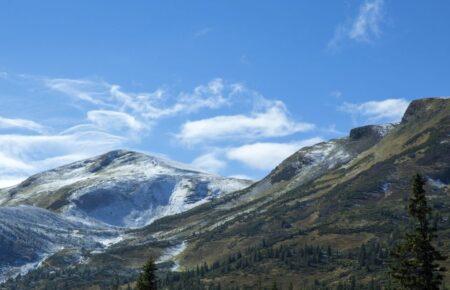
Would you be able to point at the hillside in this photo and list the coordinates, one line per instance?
(120, 188)
(88, 205)
(326, 215)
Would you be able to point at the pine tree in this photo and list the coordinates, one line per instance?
(147, 279)
(274, 286)
(291, 286)
(413, 263)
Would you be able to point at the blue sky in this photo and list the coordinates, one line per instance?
(232, 87)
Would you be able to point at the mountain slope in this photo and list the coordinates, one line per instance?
(29, 234)
(120, 188)
(354, 193)
(327, 213)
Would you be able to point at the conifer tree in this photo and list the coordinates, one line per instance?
(291, 286)
(147, 279)
(274, 286)
(414, 261)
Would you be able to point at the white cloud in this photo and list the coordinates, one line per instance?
(86, 90)
(266, 156)
(202, 32)
(114, 116)
(6, 123)
(209, 162)
(152, 106)
(114, 121)
(148, 106)
(271, 122)
(367, 24)
(23, 155)
(6, 181)
(13, 164)
(336, 93)
(364, 28)
(389, 110)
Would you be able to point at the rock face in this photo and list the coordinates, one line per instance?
(120, 188)
(375, 132)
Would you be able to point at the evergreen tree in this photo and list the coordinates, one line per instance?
(413, 263)
(147, 279)
(291, 286)
(274, 286)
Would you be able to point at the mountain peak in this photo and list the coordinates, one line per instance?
(120, 152)
(106, 159)
(120, 188)
(424, 108)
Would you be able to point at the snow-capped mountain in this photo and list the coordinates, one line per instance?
(120, 188)
(341, 192)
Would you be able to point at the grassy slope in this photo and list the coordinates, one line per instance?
(347, 207)
(343, 208)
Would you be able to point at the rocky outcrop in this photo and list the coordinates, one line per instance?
(370, 131)
(423, 109)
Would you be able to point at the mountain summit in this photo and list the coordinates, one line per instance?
(120, 188)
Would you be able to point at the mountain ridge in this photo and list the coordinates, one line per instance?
(355, 197)
(343, 194)
(121, 178)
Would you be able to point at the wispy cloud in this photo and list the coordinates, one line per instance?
(147, 105)
(86, 90)
(202, 32)
(22, 155)
(6, 123)
(389, 110)
(365, 27)
(115, 117)
(266, 156)
(367, 24)
(336, 94)
(209, 162)
(272, 121)
(113, 121)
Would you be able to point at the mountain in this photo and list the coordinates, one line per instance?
(120, 188)
(90, 204)
(324, 217)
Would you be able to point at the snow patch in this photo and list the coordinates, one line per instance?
(171, 253)
(436, 183)
(386, 189)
